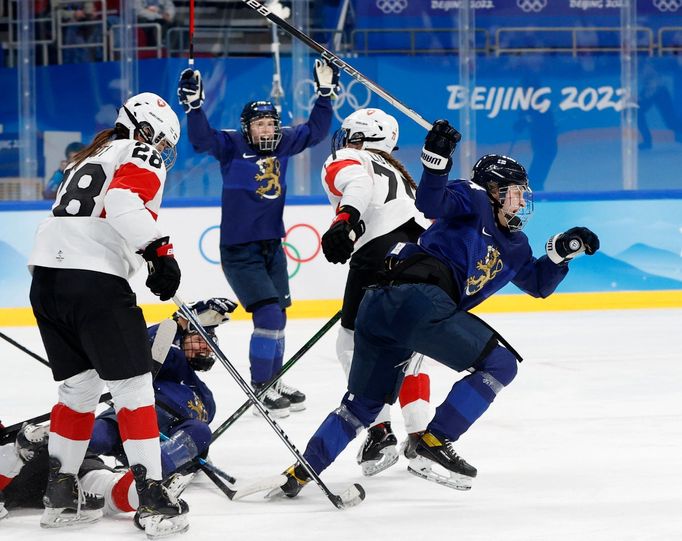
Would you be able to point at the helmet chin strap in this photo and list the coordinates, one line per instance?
(138, 126)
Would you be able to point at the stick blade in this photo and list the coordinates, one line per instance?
(266, 484)
(352, 496)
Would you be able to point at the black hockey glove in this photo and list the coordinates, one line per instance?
(30, 439)
(339, 240)
(326, 77)
(563, 247)
(190, 90)
(164, 273)
(439, 145)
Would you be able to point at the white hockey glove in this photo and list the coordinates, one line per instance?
(439, 145)
(30, 439)
(212, 312)
(326, 79)
(563, 247)
(190, 90)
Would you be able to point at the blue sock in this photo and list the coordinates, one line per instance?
(470, 397)
(267, 322)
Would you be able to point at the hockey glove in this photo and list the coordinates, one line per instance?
(563, 247)
(326, 79)
(439, 145)
(30, 439)
(339, 240)
(164, 273)
(190, 90)
(212, 312)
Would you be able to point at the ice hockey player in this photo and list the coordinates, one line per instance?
(474, 248)
(253, 164)
(184, 403)
(25, 469)
(373, 196)
(101, 229)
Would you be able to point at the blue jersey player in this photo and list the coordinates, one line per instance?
(253, 163)
(421, 304)
(184, 403)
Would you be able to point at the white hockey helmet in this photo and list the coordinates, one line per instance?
(373, 128)
(150, 117)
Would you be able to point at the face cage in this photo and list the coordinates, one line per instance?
(199, 360)
(516, 222)
(264, 145)
(168, 154)
(339, 139)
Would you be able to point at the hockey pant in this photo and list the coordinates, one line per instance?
(266, 349)
(415, 391)
(72, 420)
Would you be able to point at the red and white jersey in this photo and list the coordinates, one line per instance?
(105, 211)
(10, 464)
(368, 182)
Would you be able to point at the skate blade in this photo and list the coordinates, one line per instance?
(277, 414)
(297, 407)
(61, 517)
(3, 511)
(389, 456)
(267, 484)
(158, 526)
(423, 468)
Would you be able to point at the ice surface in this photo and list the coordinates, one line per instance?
(586, 444)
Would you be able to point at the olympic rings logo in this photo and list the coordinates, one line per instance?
(667, 5)
(531, 5)
(355, 95)
(293, 253)
(392, 6)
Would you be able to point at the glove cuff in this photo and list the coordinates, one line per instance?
(158, 248)
(552, 253)
(439, 165)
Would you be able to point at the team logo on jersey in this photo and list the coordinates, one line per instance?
(197, 406)
(268, 178)
(489, 266)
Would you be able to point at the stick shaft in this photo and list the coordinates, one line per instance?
(332, 58)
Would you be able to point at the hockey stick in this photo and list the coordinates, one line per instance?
(190, 60)
(331, 57)
(352, 496)
(162, 343)
(245, 406)
(25, 350)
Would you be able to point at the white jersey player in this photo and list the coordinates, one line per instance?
(101, 229)
(373, 195)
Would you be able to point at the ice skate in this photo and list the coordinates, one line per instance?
(408, 448)
(277, 405)
(380, 450)
(3, 510)
(295, 397)
(431, 451)
(178, 481)
(296, 478)
(66, 504)
(160, 513)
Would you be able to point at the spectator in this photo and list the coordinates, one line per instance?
(52, 185)
(80, 28)
(161, 12)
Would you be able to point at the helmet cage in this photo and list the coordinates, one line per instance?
(197, 358)
(255, 110)
(515, 221)
(145, 131)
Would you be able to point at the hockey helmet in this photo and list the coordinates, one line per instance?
(149, 116)
(499, 176)
(255, 110)
(199, 356)
(372, 128)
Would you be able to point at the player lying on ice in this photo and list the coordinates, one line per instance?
(184, 404)
(422, 303)
(25, 468)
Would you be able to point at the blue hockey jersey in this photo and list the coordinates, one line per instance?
(254, 184)
(483, 257)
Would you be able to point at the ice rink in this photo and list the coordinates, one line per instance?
(586, 444)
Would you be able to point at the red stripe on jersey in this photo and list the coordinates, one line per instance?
(119, 494)
(138, 424)
(4, 481)
(71, 424)
(332, 170)
(415, 388)
(141, 181)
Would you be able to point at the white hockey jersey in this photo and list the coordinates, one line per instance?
(369, 183)
(105, 211)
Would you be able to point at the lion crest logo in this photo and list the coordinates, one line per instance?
(268, 178)
(488, 268)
